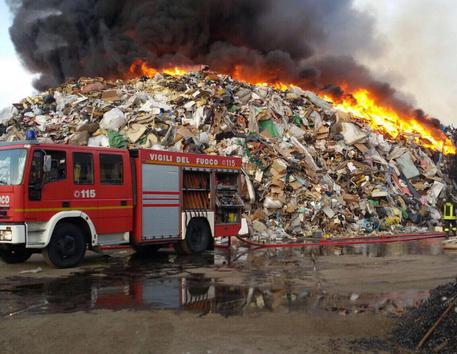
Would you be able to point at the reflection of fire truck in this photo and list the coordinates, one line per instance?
(194, 295)
(62, 199)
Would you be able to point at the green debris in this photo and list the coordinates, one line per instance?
(270, 127)
(117, 140)
(297, 120)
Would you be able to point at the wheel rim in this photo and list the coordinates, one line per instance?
(66, 246)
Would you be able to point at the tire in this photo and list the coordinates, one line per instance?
(66, 248)
(15, 255)
(198, 238)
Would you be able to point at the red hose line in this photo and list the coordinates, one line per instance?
(350, 241)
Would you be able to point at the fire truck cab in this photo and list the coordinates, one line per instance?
(61, 200)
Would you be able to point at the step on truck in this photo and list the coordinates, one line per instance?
(61, 200)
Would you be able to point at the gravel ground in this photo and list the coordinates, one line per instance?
(415, 324)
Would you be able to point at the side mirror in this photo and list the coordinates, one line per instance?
(47, 163)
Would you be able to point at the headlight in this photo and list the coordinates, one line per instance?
(6, 235)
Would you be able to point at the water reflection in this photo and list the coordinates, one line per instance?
(268, 283)
(431, 247)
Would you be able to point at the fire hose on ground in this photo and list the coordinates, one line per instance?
(350, 241)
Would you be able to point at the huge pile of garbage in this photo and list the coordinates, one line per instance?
(309, 169)
(418, 322)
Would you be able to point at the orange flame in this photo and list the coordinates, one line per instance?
(387, 121)
(276, 85)
(139, 67)
(243, 74)
(361, 104)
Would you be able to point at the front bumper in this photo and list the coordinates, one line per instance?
(12, 234)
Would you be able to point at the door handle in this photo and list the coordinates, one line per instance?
(65, 204)
(124, 203)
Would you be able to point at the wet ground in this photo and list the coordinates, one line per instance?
(322, 298)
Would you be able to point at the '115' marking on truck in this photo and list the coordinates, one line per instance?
(85, 194)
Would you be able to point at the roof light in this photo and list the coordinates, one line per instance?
(30, 135)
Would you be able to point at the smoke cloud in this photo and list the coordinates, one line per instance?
(307, 42)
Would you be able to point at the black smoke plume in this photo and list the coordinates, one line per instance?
(307, 42)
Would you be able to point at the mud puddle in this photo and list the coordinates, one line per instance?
(241, 283)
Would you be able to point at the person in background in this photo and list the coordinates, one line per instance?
(449, 218)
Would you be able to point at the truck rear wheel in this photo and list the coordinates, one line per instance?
(66, 248)
(198, 238)
(15, 255)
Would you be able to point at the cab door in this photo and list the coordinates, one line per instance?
(114, 192)
(49, 193)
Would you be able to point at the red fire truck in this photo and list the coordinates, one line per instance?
(61, 200)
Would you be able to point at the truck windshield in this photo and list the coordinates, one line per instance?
(12, 163)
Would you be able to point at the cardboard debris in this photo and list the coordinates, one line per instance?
(135, 132)
(352, 134)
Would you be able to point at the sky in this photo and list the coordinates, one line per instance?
(420, 51)
(15, 81)
(419, 54)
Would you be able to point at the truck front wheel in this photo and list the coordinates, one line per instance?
(198, 238)
(15, 255)
(66, 248)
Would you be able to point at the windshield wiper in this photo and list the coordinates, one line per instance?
(3, 182)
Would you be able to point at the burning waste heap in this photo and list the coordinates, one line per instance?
(309, 168)
(372, 165)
